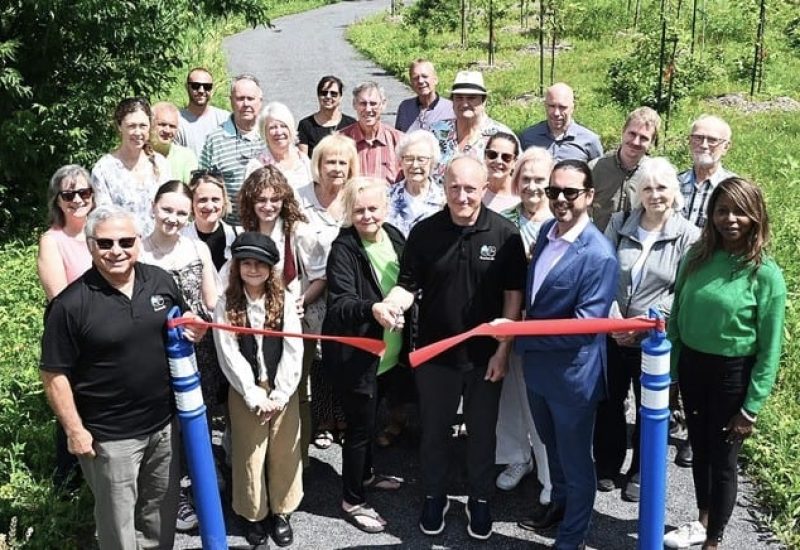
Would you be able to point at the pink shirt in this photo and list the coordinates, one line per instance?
(74, 253)
(376, 157)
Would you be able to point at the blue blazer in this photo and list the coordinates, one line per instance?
(570, 369)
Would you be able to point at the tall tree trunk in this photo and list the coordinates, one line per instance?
(541, 48)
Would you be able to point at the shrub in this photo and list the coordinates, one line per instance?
(633, 78)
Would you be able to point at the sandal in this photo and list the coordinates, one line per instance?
(359, 517)
(381, 482)
(323, 439)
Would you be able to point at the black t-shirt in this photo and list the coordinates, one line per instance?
(216, 244)
(310, 132)
(113, 350)
(462, 273)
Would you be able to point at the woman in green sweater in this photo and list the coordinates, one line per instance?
(726, 328)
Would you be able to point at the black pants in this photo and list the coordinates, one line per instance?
(67, 467)
(439, 388)
(611, 427)
(713, 389)
(360, 412)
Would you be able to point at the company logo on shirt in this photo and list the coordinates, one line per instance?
(158, 303)
(488, 252)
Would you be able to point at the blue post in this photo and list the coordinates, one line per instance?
(654, 433)
(196, 439)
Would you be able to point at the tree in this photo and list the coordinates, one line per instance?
(63, 67)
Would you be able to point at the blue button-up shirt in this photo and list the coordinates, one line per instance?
(578, 142)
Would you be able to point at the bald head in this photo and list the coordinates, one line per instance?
(559, 102)
(165, 126)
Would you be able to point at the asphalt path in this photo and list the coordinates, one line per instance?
(289, 60)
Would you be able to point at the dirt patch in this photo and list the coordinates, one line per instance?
(483, 66)
(533, 48)
(741, 102)
(527, 99)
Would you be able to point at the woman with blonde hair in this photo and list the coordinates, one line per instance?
(277, 128)
(362, 268)
(334, 162)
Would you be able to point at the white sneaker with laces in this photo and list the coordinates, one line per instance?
(688, 534)
(513, 474)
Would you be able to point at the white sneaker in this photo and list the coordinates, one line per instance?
(688, 534)
(187, 518)
(513, 474)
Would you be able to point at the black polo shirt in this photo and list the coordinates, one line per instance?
(113, 350)
(462, 272)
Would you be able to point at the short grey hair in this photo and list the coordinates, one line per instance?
(66, 172)
(369, 85)
(108, 212)
(419, 136)
(657, 170)
(715, 119)
(245, 76)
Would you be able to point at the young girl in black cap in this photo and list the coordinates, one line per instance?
(263, 372)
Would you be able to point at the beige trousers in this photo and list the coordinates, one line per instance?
(266, 462)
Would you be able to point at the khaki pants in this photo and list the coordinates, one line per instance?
(276, 445)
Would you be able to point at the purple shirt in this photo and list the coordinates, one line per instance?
(411, 116)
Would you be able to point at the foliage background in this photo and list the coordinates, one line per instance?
(593, 37)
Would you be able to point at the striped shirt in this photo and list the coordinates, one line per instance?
(229, 151)
(696, 195)
(377, 157)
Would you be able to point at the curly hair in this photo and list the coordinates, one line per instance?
(268, 177)
(236, 301)
(748, 198)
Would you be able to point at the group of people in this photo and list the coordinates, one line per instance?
(408, 234)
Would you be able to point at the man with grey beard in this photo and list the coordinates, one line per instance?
(709, 140)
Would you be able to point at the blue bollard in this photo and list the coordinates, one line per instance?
(654, 434)
(196, 440)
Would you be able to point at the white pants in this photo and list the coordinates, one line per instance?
(516, 433)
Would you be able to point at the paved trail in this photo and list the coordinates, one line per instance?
(289, 61)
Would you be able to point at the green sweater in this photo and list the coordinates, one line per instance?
(724, 311)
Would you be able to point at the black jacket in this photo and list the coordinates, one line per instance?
(352, 290)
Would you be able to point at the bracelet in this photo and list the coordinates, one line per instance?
(748, 416)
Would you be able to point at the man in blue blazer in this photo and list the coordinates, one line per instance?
(573, 274)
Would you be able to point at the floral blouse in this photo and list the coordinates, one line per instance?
(445, 133)
(406, 210)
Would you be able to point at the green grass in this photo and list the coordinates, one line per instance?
(27, 454)
(764, 149)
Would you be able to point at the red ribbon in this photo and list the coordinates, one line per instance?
(376, 347)
(544, 327)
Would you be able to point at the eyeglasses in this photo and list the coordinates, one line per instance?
(329, 93)
(698, 139)
(570, 193)
(411, 159)
(108, 244)
(491, 154)
(196, 86)
(69, 196)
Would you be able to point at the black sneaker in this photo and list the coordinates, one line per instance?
(632, 488)
(431, 521)
(479, 520)
(683, 458)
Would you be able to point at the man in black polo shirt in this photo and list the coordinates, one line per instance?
(106, 376)
(469, 264)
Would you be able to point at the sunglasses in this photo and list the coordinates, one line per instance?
(329, 93)
(196, 86)
(214, 172)
(108, 244)
(570, 193)
(491, 154)
(69, 196)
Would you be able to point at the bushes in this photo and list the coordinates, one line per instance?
(63, 68)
